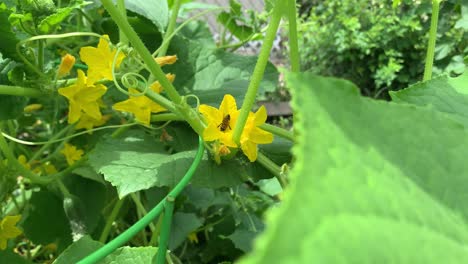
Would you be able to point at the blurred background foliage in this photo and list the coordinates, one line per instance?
(378, 47)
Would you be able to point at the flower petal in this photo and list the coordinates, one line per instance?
(260, 115)
(92, 109)
(228, 105)
(250, 150)
(211, 114)
(260, 136)
(74, 112)
(212, 133)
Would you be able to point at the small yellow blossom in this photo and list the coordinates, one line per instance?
(66, 65)
(140, 106)
(87, 122)
(156, 86)
(23, 161)
(165, 60)
(71, 153)
(83, 98)
(253, 135)
(220, 124)
(45, 169)
(32, 107)
(100, 59)
(8, 229)
(192, 237)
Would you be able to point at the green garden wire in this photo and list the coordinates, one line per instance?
(167, 203)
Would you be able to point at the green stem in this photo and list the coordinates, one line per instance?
(431, 41)
(191, 116)
(170, 27)
(142, 223)
(166, 117)
(121, 6)
(293, 44)
(165, 230)
(278, 131)
(39, 152)
(155, 235)
(40, 55)
(273, 168)
(20, 91)
(259, 70)
(141, 208)
(63, 188)
(110, 220)
(12, 161)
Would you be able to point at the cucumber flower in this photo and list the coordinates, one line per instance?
(8, 229)
(140, 106)
(100, 59)
(71, 153)
(65, 65)
(253, 135)
(88, 122)
(83, 98)
(220, 127)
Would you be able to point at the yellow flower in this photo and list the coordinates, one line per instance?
(192, 237)
(156, 86)
(253, 135)
(71, 153)
(140, 106)
(99, 60)
(45, 169)
(220, 122)
(8, 229)
(83, 98)
(23, 161)
(66, 65)
(166, 60)
(87, 122)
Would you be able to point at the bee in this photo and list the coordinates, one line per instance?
(225, 123)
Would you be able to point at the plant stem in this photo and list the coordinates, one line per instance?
(38, 153)
(121, 6)
(110, 220)
(293, 44)
(12, 161)
(166, 117)
(273, 168)
(278, 131)
(165, 230)
(141, 208)
(63, 188)
(191, 116)
(20, 91)
(40, 55)
(432, 40)
(170, 27)
(259, 70)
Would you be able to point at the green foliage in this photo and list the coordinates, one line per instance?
(9, 39)
(364, 197)
(378, 47)
(155, 10)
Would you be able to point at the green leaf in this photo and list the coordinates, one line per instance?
(243, 239)
(10, 257)
(241, 32)
(49, 23)
(208, 69)
(9, 40)
(78, 250)
(11, 107)
(373, 182)
(131, 255)
(155, 10)
(443, 94)
(182, 225)
(45, 221)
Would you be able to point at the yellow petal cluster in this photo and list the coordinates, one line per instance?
(71, 153)
(100, 59)
(140, 106)
(83, 97)
(220, 127)
(8, 229)
(66, 65)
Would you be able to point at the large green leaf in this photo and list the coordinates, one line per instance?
(10, 257)
(155, 10)
(210, 72)
(182, 225)
(9, 40)
(444, 94)
(373, 182)
(45, 221)
(78, 250)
